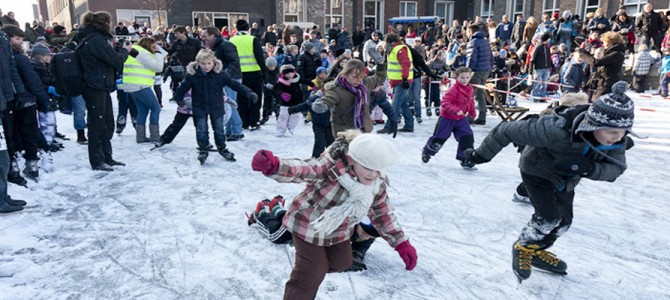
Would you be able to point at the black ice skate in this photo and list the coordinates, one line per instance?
(202, 155)
(468, 164)
(31, 170)
(425, 157)
(547, 261)
(521, 260)
(227, 155)
(520, 198)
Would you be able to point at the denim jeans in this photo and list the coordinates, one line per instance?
(401, 106)
(79, 112)
(146, 103)
(202, 131)
(126, 104)
(234, 125)
(540, 85)
(567, 42)
(415, 96)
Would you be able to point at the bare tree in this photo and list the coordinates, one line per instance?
(158, 5)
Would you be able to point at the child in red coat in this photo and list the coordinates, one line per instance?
(456, 103)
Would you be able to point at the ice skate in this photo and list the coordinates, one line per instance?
(521, 260)
(547, 261)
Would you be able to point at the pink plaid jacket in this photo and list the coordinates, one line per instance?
(322, 192)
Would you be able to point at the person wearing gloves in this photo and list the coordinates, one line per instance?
(348, 98)
(346, 183)
(559, 150)
(206, 80)
(144, 61)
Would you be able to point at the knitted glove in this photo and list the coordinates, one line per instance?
(408, 255)
(472, 155)
(265, 162)
(581, 166)
(319, 107)
(252, 97)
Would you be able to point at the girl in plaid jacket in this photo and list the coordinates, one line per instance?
(344, 184)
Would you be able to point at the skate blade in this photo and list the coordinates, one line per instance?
(551, 272)
(469, 169)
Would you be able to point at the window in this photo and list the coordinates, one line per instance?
(293, 11)
(334, 12)
(634, 7)
(373, 15)
(445, 10)
(155, 18)
(217, 19)
(550, 6)
(591, 6)
(487, 9)
(408, 9)
(517, 9)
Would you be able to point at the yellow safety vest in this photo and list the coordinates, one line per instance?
(394, 69)
(135, 73)
(245, 50)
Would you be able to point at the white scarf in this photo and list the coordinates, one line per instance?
(355, 206)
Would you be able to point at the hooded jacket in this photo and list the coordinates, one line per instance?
(458, 98)
(479, 55)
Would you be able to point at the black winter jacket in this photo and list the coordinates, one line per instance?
(100, 62)
(649, 23)
(186, 50)
(227, 53)
(9, 75)
(541, 58)
(35, 90)
(609, 67)
(307, 64)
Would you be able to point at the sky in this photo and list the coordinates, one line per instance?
(23, 9)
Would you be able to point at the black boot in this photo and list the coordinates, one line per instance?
(521, 260)
(202, 155)
(31, 170)
(547, 261)
(227, 155)
(81, 137)
(15, 202)
(120, 124)
(8, 208)
(358, 251)
(14, 175)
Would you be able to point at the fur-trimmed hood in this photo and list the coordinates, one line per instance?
(192, 67)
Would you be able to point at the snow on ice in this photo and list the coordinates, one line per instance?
(165, 227)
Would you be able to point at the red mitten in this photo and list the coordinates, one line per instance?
(408, 255)
(266, 162)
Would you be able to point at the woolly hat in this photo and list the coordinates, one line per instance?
(270, 62)
(40, 49)
(372, 151)
(347, 51)
(308, 46)
(567, 14)
(242, 25)
(613, 110)
(41, 39)
(286, 67)
(320, 70)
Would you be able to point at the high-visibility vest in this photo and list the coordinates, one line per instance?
(394, 69)
(134, 73)
(245, 50)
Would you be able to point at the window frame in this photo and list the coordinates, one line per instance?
(405, 4)
(491, 5)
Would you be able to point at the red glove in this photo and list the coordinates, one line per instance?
(266, 162)
(408, 255)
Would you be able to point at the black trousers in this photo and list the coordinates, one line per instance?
(323, 137)
(250, 112)
(8, 126)
(100, 125)
(174, 128)
(269, 103)
(553, 212)
(640, 83)
(26, 131)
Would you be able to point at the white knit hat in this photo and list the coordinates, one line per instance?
(372, 151)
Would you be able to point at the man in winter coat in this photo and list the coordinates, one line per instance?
(185, 48)
(401, 77)
(540, 64)
(566, 30)
(370, 52)
(649, 25)
(270, 37)
(307, 64)
(504, 31)
(480, 61)
(316, 43)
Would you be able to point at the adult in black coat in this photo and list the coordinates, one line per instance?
(223, 50)
(608, 67)
(270, 37)
(649, 25)
(100, 65)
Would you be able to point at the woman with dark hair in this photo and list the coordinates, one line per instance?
(624, 25)
(100, 64)
(608, 67)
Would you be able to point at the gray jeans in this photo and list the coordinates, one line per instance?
(480, 78)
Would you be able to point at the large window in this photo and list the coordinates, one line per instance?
(591, 6)
(334, 12)
(408, 8)
(634, 7)
(153, 17)
(294, 11)
(217, 19)
(550, 6)
(445, 10)
(517, 9)
(487, 9)
(373, 14)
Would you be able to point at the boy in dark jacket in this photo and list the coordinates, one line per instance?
(559, 150)
(572, 74)
(269, 102)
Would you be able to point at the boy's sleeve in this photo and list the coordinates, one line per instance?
(184, 87)
(608, 171)
(382, 218)
(298, 171)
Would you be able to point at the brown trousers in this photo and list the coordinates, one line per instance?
(311, 265)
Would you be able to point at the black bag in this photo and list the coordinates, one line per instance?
(67, 70)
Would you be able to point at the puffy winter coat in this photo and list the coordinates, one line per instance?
(341, 101)
(599, 25)
(100, 62)
(10, 80)
(35, 90)
(458, 98)
(479, 55)
(552, 138)
(307, 64)
(609, 67)
(288, 92)
(227, 53)
(207, 89)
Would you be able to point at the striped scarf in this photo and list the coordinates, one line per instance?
(361, 92)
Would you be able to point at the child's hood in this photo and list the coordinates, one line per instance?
(284, 81)
(192, 67)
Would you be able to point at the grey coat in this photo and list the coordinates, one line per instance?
(552, 138)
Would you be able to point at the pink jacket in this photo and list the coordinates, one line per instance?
(458, 97)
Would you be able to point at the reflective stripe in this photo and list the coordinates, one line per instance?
(245, 50)
(134, 73)
(394, 68)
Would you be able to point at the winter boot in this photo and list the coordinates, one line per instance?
(81, 137)
(429, 112)
(120, 124)
(227, 155)
(141, 136)
(61, 136)
(154, 133)
(47, 161)
(425, 157)
(202, 155)
(521, 195)
(547, 261)
(468, 164)
(358, 251)
(521, 260)
(15, 202)
(158, 144)
(418, 120)
(7, 208)
(14, 175)
(31, 170)
(103, 167)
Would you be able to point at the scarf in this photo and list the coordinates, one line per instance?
(361, 92)
(354, 207)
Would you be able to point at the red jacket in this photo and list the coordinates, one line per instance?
(458, 98)
(405, 64)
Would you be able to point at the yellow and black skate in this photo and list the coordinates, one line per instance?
(522, 257)
(547, 261)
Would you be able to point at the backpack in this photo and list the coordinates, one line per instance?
(66, 67)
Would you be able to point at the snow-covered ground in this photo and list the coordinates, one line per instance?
(165, 227)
